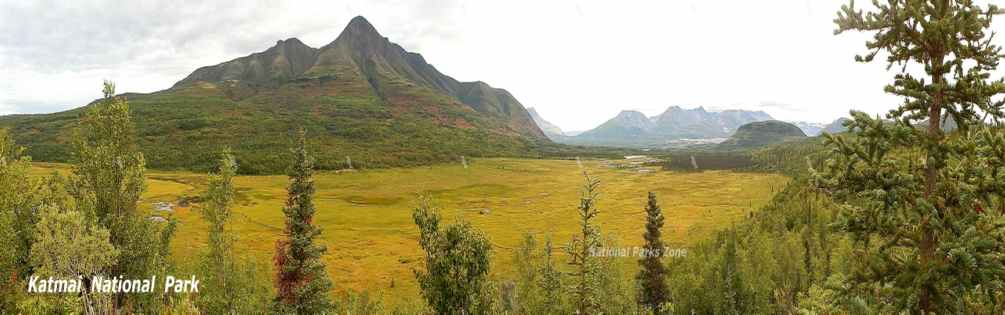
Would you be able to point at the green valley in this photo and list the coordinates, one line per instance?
(366, 215)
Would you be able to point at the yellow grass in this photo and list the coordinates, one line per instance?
(367, 224)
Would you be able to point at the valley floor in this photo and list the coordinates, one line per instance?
(366, 216)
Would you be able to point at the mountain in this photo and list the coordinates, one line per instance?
(836, 126)
(809, 128)
(634, 129)
(761, 133)
(551, 130)
(287, 59)
(627, 124)
(360, 96)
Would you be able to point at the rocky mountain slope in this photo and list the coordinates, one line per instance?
(550, 130)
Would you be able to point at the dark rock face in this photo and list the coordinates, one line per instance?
(286, 60)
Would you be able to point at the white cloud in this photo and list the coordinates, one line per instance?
(578, 62)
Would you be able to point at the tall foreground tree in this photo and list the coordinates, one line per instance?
(302, 283)
(917, 201)
(734, 295)
(108, 162)
(109, 173)
(654, 293)
(457, 264)
(219, 267)
(586, 269)
(550, 281)
(229, 285)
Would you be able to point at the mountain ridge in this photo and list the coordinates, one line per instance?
(635, 129)
(550, 130)
(359, 95)
(367, 54)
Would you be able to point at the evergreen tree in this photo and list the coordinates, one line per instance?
(302, 284)
(457, 265)
(109, 174)
(734, 293)
(586, 268)
(914, 199)
(654, 292)
(550, 283)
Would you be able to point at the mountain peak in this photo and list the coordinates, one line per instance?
(290, 44)
(359, 27)
(359, 20)
(290, 41)
(630, 113)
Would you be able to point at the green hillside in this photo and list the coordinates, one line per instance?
(762, 133)
(360, 97)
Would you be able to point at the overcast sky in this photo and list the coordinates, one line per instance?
(578, 62)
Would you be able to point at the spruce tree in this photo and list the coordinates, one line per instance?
(550, 282)
(654, 292)
(915, 200)
(585, 288)
(734, 293)
(302, 284)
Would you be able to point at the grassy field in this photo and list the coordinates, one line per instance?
(367, 224)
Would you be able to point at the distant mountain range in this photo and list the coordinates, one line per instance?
(811, 129)
(635, 129)
(360, 95)
(836, 126)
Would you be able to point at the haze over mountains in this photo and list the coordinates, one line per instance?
(551, 130)
(675, 127)
(361, 97)
(635, 129)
